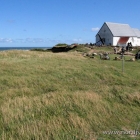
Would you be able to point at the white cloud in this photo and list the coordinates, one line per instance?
(35, 40)
(6, 40)
(95, 29)
(38, 41)
(77, 40)
(25, 40)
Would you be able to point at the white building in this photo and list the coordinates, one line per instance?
(117, 34)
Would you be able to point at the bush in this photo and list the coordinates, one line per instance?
(61, 44)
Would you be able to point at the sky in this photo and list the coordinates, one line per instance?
(45, 23)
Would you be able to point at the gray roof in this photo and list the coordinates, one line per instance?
(137, 32)
(118, 29)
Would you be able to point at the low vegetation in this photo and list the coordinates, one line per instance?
(61, 44)
(65, 96)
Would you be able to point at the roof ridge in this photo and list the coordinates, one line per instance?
(117, 23)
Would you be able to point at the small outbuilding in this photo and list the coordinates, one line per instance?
(117, 34)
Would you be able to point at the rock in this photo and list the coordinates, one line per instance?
(117, 58)
(95, 54)
(132, 59)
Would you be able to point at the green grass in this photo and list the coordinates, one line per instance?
(65, 96)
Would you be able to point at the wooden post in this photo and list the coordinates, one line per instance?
(122, 59)
(122, 63)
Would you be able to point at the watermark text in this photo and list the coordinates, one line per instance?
(123, 132)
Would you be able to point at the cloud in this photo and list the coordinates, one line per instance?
(95, 29)
(77, 40)
(6, 40)
(35, 40)
(55, 41)
(19, 40)
(38, 41)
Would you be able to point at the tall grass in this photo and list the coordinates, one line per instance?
(65, 96)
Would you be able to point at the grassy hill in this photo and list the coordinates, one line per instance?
(65, 96)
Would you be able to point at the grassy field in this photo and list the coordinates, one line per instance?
(65, 96)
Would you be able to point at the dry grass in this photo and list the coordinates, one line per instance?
(65, 96)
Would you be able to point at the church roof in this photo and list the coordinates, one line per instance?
(137, 32)
(118, 29)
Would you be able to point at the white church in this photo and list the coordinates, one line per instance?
(117, 34)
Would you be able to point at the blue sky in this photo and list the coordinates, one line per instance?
(44, 23)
